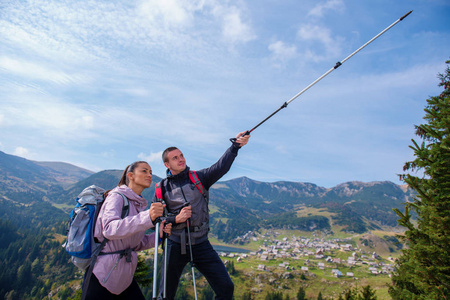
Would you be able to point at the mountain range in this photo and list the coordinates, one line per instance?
(236, 205)
(36, 199)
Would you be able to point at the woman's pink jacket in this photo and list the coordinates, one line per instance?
(113, 271)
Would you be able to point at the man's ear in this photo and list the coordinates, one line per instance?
(166, 164)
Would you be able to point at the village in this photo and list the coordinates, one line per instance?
(312, 254)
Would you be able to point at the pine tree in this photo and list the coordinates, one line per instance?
(351, 294)
(301, 294)
(182, 293)
(423, 270)
(142, 274)
(367, 293)
(274, 296)
(207, 293)
(247, 296)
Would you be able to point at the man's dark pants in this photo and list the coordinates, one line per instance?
(206, 260)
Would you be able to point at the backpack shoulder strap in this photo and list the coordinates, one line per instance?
(126, 205)
(194, 179)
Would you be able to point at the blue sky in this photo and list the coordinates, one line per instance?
(100, 84)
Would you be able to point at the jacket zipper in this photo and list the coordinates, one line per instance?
(182, 192)
(109, 274)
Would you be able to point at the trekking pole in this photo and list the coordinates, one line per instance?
(165, 268)
(165, 237)
(338, 64)
(155, 262)
(192, 258)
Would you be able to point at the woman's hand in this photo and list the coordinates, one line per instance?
(167, 228)
(156, 210)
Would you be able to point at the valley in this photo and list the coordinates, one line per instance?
(284, 261)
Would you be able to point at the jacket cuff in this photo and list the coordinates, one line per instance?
(235, 147)
(171, 220)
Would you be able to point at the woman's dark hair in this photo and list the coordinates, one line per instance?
(124, 179)
(129, 169)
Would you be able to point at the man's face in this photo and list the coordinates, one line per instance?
(175, 162)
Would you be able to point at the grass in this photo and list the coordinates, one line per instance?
(249, 278)
(63, 207)
(311, 211)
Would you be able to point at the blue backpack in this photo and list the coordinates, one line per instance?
(80, 244)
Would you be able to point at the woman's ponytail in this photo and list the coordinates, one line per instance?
(124, 178)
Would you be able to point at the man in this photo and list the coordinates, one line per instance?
(187, 205)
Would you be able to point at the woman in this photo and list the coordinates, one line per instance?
(113, 273)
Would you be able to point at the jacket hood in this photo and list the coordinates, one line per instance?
(131, 195)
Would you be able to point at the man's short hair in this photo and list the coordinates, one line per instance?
(164, 155)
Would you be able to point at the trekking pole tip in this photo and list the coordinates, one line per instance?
(407, 14)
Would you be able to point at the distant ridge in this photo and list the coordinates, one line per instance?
(65, 172)
(236, 206)
(20, 175)
(62, 167)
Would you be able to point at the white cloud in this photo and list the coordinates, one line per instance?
(320, 9)
(54, 31)
(320, 42)
(315, 32)
(170, 13)
(234, 29)
(52, 117)
(282, 52)
(34, 71)
(22, 152)
(152, 157)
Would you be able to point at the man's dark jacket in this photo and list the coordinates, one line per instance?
(178, 190)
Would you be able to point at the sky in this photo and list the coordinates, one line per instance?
(100, 84)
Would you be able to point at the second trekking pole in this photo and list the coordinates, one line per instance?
(192, 258)
(155, 259)
(165, 268)
(165, 237)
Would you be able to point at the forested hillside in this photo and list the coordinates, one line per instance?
(31, 257)
(356, 206)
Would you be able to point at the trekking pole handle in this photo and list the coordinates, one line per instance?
(233, 140)
(163, 217)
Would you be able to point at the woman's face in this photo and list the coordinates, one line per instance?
(141, 176)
